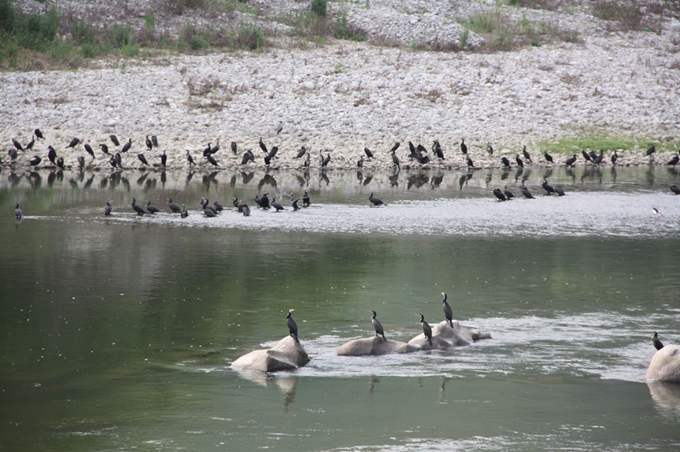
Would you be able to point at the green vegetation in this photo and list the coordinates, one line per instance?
(594, 142)
(319, 7)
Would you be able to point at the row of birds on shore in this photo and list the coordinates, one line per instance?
(417, 153)
(377, 326)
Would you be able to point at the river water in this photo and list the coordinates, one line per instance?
(117, 333)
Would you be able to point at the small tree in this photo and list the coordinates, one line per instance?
(319, 7)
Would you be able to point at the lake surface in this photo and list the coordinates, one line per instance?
(117, 333)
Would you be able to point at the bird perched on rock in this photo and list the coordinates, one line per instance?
(151, 209)
(369, 153)
(104, 148)
(655, 340)
(548, 157)
(675, 189)
(448, 312)
(38, 134)
(234, 148)
(35, 161)
(114, 140)
(190, 159)
(571, 160)
(505, 162)
(127, 146)
(525, 191)
(377, 326)
(508, 194)
(174, 208)
(463, 146)
(499, 194)
(142, 159)
(149, 143)
(427, 331)
(526, 154)
(137, 208)
(292, 326)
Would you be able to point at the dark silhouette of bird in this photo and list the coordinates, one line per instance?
(174, 208)
(164, 159)
(547, 187)
(368, 152)
(559, 190)
(215, 148)
(154, 141)
(279, 127)
(325, 161)
(30, 144)
(598, 158)
(183, 212)
(305, 199)
(571, 160)
(142, 159)
(81, 162)
(273, 152)
(292, 326)
(377, 326)
(151, 209)
(39, 134)
(294, 203)
(127, 146)
(108, 208)
(13, 154)
(35, 161)
(548, 157)
(427, 331)
(149, 143)
(519, 161)
(463, 146)
(207, 150)
(74, 142)
(208, 210)
(218, 206)
(307, 160)
(656, 211)
(586, 156)
(674, 161)
(437, 149)
(17, 145)
(655, 340)
(470, 164)
(505, 162)
(360, 162)
(395, 146)
(104, 148)
(112, 161)
(137, 208)
(395, 159)
(263, 146)
(526, 154)
(650, 150)
(301, 152)
(675, 189)
(247, 157)
(277, 205)
(234, 148)
(51, 154)
(489, 149)
(245, 209)
(211, 160)
(118, 159)
(190, 159)
(508, 194)
(114, 140)
(499, 194)
(375, 201)
(60, 162)
(525, 191)
(448, 312)
(18, 213)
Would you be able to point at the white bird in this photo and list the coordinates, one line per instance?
(279, 127)
(656, 211)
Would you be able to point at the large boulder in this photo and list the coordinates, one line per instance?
(373, 346)
(665, 365)
(422, 343)
(459, 335)
(285, 355)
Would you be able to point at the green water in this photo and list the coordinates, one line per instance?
(117, 334)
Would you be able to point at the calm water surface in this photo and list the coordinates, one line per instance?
(117, 334)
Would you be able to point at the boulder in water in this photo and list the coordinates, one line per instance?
(665, 365)
(373, 346)
(285, 355)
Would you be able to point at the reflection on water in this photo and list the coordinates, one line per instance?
(666, 398)
(117, 333)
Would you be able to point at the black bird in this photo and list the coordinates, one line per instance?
(183, 213)
(151, 209)
(427, 331)
(395, 147)
(190, 159)
(17, 144)
(114, 140)
(142, 159)
(375, 201)
(60, 162)
(598, 158)
(499, 194)
(519, 161)
(212, 160)
(164, 159)
(655, 340)
(301, 152)
(13, 154)
(51, 154)
(650, 150)
(294, 203)
(104, 148)
(234, 148)
(379, 331)
(149, 144)
(127, 146)
(505, 162)
(208, 211)
(593, 155)
(307, 159)
(586, 156)
(305, 199)
(547, 187)
(437, 148)
(469, 163)
(559, 190)
(118, 159)
(215, 148)
(236, 203)
(614, 157)
(207, 150)
(360, 162)
(112, 161)
(675, 189)
(38, 134)
(35, 161)
(463, 146)
(245, 209)
(108, 208)
(674, 161)
(18, 213)
(489, 149)
(154, 141)
(267, 159)
(292, 326)
(526, 192)
(247, 157)
(548, 157)
(395, 159)
(81, 162)
(273, 152)
(448, 312)
(174, 208)
(218, 206)
(205, 204)
(263, 146)
(74, 142)
(30, 144)
(264, 201)
(571, 160)
(508, 194)
(325, 161)
(277, 205)
(368, 153)
(526, 155)
(136, 208)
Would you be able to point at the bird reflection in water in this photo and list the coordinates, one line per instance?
(247, 177)
(323, 178)
(371, 383)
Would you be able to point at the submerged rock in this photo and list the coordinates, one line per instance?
(443, 336)
(665, 365)
(422, 343)
(285, 355)
(373, 346)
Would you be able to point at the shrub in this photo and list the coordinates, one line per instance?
(320, 7)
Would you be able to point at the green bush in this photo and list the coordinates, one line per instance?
(320, 7)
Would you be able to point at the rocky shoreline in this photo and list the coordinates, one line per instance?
(344, 96)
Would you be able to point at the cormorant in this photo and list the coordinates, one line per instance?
(499, 194)
(164, 159)
(368, 153)
(174, 208)
(212, 160)
(469, 163)
(375, 201)
(183, 213)
(60, 162)
(377, 326)
(427, 331)
(247, 156)
(586, 156)
(263, 146)
(395, 159)
(81, 162)
(114, 140)
(35, 161)
(234, 148)
(325, 161)
(519, 161)
(13, 154)
(508, 194)
(559, 190)
(598, 158)
(246, 209)
(18, 213)
(208, 211)
(136, 208)
(264, 201)
(448, 312)
(154, 140)
(360, 162)
(215, 148)
(118, 159)
(74, 142)
(395, 147)
(294, 203)
(505, 162)
(301, 152)
(104, 148)
(127, 146)
(142, 159)
(571, 160)
(655, 340)
(650, 150)
(674, 161)
(675, 189)
(190, 159)
(51, 154)
(207, 150)
(463, 146)
(547, 187)
(17, 144)
(489, 149)
(305, 199)
(30, 144)
(151, 209)
(437, 148)
(277, 205)
(108, 208)
(548, 157)
(38, 134)
(526, 192)
(149, 144)
(614, 157)
(292, 326)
